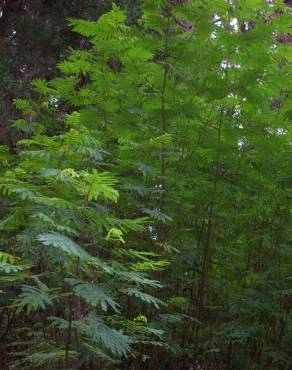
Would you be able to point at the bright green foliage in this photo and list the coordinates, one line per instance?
(150, 200)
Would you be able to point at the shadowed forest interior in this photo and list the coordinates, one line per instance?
(145, 185)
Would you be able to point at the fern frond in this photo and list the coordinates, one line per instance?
(100, 334)
(11, 265)
(51, 359)
(98, 184)
(138, 278)
(109, 26)
(94, 294)
(147, 298)
(115, 235)
(63, 243)
(34, 298)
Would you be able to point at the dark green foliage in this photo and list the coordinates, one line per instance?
(146, 216)
(34, 37)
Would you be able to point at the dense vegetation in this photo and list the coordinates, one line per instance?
(34, 37)
(146, 210)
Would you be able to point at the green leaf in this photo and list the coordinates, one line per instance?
(95, 294)
(34, 298)
(147, 298)
(101, 334)
(64, 244)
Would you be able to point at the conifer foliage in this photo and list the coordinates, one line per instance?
(145, 214)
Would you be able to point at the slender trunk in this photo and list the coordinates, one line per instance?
(162, 153)
(205, 271)
(69, 335)
(154, 359)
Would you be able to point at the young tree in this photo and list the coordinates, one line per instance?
(175, 132)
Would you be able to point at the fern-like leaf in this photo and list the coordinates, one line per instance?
(63, 243)
(99, 333)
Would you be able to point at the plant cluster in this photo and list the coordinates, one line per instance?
(145, 216)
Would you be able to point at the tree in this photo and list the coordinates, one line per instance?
(186, 118)
(34, 38)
